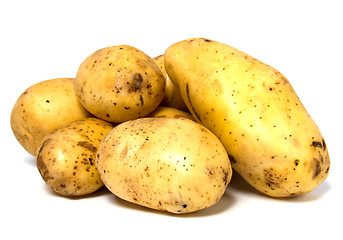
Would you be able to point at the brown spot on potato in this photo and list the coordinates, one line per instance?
(317, 144)
(272, 179)
(87, 145)
(327, 170)
(137, 82)
(324, 144)
(225, 178)
(91, 161)
(317, 168)
(210, 171)
(296, 162)
(141, 99)
(232, 159)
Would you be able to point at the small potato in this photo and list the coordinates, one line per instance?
(169, 112)
(119, 83)
(168, 164)
(44, 107)
(66, 157)
(172, 97)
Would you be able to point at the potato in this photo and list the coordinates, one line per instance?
(253, 109)
(43, 107)
(169, 112)
(172, 97)
(66, 157)
(167, 164)
(119, 83)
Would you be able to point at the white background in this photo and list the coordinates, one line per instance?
(43, 40)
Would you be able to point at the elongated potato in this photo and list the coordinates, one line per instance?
(253, 109)
(167, 164)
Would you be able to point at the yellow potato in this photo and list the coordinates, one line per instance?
(168, 164)
(119, 83)
(66, 157)
(169, 112)
(172, 97)
(42, 108)
(253, 109)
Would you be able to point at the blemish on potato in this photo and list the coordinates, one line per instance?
(317, 144)
(141, 99)
(272, 179)
(296, 162)
(87, 145)
(317, 168)
(324, 144)
(137, 82)
(210, 171)
(232, 159)
(225, 178)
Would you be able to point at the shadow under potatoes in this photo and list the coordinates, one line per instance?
(225, 203)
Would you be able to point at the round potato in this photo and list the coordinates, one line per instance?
(43, 107)
(66, 157)
(169, 112)
(119, 83)
(172, 97)
(168, 164)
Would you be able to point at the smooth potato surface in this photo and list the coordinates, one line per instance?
(169, 112)
(172, 97)
(43, 107)
(168, 164)
(66, 157)
(119, 83)
(253, 109)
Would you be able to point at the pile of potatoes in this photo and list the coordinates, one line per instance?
(166, 132)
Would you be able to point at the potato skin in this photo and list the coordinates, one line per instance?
(252, 108)
(66, 157)
(167, 164)
(172, 97)
(119, 83)
(43, 107)
(169, 112)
